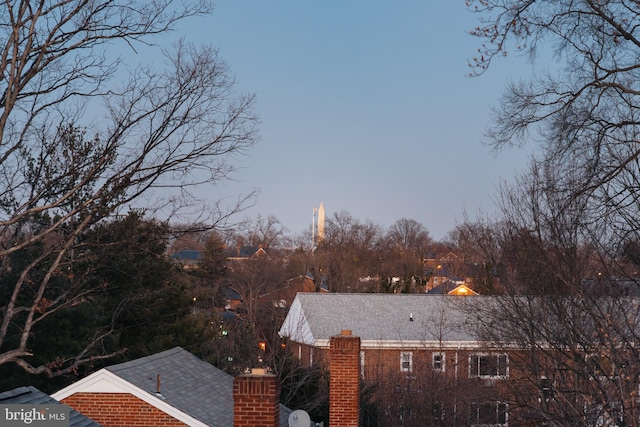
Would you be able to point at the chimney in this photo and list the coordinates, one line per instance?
(256, 400)
(344, 380)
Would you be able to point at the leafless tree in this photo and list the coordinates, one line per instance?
(64, 167)
(585, 108)
(348, 251)
(567, 323)
(267, 233)
(408, 245)
(577, 210)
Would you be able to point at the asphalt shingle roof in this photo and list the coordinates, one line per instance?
(379, 317)
(33, 396)
(187, 383)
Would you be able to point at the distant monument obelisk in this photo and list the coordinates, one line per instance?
(321, 223)
(317, 227)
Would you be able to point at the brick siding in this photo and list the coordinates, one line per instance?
(344, 380)
(120, 410)
(256, 401)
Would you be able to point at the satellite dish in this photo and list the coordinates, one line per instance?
(299, 418)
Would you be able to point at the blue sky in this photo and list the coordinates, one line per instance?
(365, 106)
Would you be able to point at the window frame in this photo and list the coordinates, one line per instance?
(409, 356)
(476, 365)
(442, 362)
(475, 407)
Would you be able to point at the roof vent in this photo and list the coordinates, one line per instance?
(158, 392)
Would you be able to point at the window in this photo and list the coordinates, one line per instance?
(438, 361)
(492, 414)
(406, 361)
(488, 366)
(361, 364)
(547, 389)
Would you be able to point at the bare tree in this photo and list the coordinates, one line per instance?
(267, 233)
(567, 322)
(571, 219)
(585, 107)
(165, 129)
(348, 251)
(408, 243)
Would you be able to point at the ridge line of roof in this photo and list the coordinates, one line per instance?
(146, 359)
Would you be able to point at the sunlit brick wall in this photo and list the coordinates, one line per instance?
(344, 380)
(256, 401)
(119, 410)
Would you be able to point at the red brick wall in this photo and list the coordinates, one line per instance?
(256, 401)
(120, 410)
(344, 380)
(307, 355)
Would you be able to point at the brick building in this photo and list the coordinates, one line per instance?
(175, 388)
(30, 395)
(412, 346)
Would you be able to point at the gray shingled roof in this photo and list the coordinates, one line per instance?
(188, 383)
(315, 317)
(33, 396)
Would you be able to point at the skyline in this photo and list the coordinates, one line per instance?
(364, 106)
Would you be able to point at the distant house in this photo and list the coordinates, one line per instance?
(187, 258)
(246, 252)
(32, 396)
(171, 388)
(284, 295)
(232, 299)
(452, 269)
(452, 288)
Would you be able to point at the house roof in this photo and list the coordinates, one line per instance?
(191, 389)
(452, 288)
(382, 320)
(187, 255)
(33, 396)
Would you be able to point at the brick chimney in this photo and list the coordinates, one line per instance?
(256, 400)
(344, 380)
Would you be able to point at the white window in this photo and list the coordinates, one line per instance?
(361, 364)
(438, 361)
(489, 414)
(406, 361)
(488, 366)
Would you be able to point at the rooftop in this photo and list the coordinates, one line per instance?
(381, 319)
(33, 396)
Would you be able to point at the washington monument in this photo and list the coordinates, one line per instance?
(318, 224)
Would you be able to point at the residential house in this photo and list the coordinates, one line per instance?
(243, 253)
(171, 388)
(187, 258)
(452, 288)
(453, 269)
(285, 294)
(25, 396)
(411, 342)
